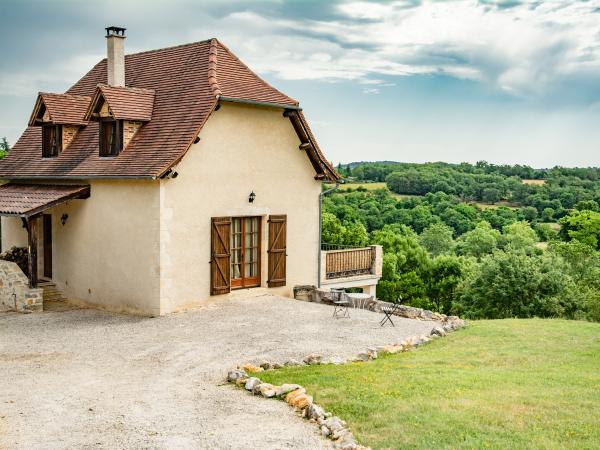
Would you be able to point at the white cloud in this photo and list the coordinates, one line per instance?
(522, 49)
(27, 82)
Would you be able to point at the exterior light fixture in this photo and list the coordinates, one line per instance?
(63, 219)
(251, 197)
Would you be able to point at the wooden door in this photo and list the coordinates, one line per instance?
(245, 252)
(47, 239)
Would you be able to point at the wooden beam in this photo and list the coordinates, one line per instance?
(32, 259)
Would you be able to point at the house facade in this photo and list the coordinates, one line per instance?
(162, 179)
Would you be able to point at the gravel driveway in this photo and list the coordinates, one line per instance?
(87, 379)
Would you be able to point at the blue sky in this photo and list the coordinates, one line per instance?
(505, 81)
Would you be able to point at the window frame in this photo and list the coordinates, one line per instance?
(246, 281)
(47, 147)
(117, 132)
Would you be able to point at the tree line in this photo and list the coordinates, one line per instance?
(550, 192)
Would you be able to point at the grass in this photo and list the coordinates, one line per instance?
(507, 384)
(374, 186)
(506, 204)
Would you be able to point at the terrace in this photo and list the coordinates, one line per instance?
(351, 267)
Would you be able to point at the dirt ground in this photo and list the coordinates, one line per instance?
(87, 379)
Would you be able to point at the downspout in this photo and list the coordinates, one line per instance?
(321, 194)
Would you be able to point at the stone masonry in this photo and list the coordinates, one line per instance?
(15, 292)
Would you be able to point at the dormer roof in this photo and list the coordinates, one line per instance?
(61, 109)
(185, 83)
(124, 103)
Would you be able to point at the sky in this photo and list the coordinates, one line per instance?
(503, 81)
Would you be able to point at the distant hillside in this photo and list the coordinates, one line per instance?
(548, 193)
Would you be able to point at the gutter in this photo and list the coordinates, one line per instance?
(321, 195)
(222, 98)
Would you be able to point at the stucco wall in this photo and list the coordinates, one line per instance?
(107, 253)
(13, 233)
(242, 149)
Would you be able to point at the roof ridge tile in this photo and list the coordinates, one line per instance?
(213, 57)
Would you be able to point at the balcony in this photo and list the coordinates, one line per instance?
(347, 267)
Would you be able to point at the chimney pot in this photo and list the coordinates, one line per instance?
(115, 55)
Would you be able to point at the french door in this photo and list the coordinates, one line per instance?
(245, 252)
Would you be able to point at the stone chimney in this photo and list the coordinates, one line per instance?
(115, 55)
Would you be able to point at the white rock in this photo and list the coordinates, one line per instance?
(313, 359)
(292, 362)
(285, 388)
(235, 374)
(251, 382)
(438, 331)
(315, 412)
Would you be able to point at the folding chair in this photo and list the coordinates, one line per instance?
(389, 311)
(341, 305)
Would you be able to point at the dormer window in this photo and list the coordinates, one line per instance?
(51, 140)
(111, 137)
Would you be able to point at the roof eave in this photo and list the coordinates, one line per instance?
(245, 101)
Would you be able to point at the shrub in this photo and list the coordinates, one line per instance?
(510, 284)
(19, 256)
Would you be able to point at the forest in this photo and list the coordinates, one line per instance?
(480, 241)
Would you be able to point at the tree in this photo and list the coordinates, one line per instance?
(356, 234)
(547, 215)
(446, 273)
(583, 226)
(4, 147)
(590, 205)
(437, 239)
(490, 195)
(518, 236)
(478, 242)
(332, 229)
(529, 213)
(510, 284)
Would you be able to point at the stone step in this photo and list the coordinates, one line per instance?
(51, 293)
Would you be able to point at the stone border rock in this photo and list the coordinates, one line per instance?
(315, 295)
(295, 395)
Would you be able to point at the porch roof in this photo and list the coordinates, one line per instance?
(26, 200)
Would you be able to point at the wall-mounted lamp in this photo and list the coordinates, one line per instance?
(251, 197)
(63, 219)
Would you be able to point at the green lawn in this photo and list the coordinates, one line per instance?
(496, 384)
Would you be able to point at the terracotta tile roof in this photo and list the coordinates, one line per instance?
(125, 103)
(30, 199)
(188, 81)
(64, 109)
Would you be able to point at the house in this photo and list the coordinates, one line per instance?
(163, 178)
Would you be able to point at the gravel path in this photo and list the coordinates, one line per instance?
(87, 379)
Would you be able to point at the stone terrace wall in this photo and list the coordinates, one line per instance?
(15, 293)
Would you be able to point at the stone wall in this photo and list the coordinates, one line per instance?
(68, 133)
(15, 293)
(130, 128)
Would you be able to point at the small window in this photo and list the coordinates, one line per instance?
(51, 140)
(111, 137)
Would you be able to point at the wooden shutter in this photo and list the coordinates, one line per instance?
(277, 250)
(220, 249)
